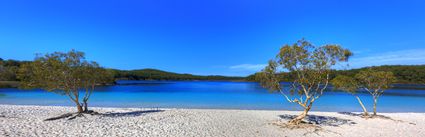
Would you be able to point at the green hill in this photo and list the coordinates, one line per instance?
(154, 74)
(405, 74)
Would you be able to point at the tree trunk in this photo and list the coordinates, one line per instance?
(80, 109)
(85, 106)
(365, 113)
(375, 101)
(300, 117)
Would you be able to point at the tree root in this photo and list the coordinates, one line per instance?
(301, 125)
(308, 127)
(60, 117)
(72, 116)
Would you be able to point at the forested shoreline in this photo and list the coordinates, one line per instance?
(154, 74)
(405, 74)
(9, 70)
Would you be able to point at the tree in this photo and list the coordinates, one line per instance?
(63, 73)
(311, 66)
(350, 85)
(375, 83)
(91, 75)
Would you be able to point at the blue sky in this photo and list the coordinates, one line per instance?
(220, 37)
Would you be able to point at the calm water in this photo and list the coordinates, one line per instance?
(223, 95)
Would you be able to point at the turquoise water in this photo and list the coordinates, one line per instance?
(216, 95)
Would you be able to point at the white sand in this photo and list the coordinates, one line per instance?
(28, 121)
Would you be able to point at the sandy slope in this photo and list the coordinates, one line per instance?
(28, 121)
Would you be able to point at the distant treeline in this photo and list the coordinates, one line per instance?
(405, 74)
(9, 69)
(154, 74)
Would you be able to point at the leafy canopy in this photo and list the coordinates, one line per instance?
(311, 66)
(61, 72)
(370, 80)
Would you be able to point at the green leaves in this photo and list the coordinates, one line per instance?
(345, 83)
(268, 78)
(61, 72)
(371, 80)
(308, 65)
(375, 80)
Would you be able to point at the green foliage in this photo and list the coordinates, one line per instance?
(63, 73)
(345, 83)
(9, 84)
(404, 74)
(309, 69)
(153, 74)
(369, 79)
(374, 80)
(268, 78)
(8, 69)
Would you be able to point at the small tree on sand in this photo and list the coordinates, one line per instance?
(350, 85)
(312, 67)
(65, 74)
(375, 83)
(91, 75)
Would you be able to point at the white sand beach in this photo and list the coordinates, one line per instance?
(28, 121)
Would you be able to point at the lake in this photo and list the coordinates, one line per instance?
(215, 95)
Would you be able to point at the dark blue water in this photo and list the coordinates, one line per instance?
(220, 95)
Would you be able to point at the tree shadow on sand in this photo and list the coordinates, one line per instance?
(321, 120)
(313, 124)
(71, 116)
(362, 116)
(130, 114)
(372, 117)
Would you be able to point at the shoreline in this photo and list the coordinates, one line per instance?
(206, 108)
(27, 120)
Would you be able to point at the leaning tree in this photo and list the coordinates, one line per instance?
(311, 66)
(65, 74)
(350, 85)
(375, 83)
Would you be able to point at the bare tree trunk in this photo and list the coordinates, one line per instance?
(77, 102)
(87, 96)
(297, 120)
(85, 106)
(80, 109)
(375, 101)
(365, 113)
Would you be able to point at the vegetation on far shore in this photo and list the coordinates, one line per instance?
(9, 84)
(154, 74)
(405, 74)
(309, 69)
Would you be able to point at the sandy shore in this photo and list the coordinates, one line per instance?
(29, 121)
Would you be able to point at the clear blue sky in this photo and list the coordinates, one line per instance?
(222, 37)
